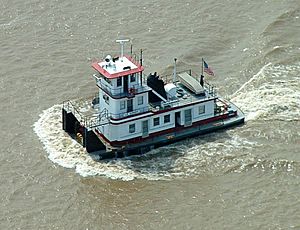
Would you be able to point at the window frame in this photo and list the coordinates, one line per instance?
(131, 128)
(169, 118)
(156, 121)
(142, 100)
(201, 110)
(188, 117)
(132, 78)
(119, 82)
(122, 105)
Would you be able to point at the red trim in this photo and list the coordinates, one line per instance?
(159, 133)
(97, 67)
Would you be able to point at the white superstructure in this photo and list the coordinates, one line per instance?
(124, 94)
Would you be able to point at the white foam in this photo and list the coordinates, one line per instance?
(272, 93)
(65, 151)
(178, 160)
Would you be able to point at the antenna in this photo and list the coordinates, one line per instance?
(122, 42)
(174, 73)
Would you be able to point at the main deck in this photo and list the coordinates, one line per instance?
(90, 114)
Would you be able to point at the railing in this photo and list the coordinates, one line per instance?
(69, 107)
(95, 121)
(134, 112)
(119, 92)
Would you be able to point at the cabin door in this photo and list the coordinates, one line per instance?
(129, 105)
(125, 84)
(177, 119)
(145, 128)
(188, 117)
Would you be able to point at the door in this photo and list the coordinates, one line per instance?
(125, 87)
(177, 119)
(188, 117)
(145, 128)
(129, 106)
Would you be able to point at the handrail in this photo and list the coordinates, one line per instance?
(119, 92)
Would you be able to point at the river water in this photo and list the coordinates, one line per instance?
(247, 177)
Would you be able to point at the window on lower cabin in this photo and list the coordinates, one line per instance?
(122, 105)
(156, 121)
(132, 78)
(140, 100)
(132, 128)
(167, 118)
(119, 81)
(201, 109)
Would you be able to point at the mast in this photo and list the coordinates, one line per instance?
(122, 42)
(174, 74)
(141, 62)
(202, 66)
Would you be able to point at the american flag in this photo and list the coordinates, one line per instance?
(207, 69)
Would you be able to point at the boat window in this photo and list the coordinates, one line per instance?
(140, 100)
(156, 121)
(122, 104)
(106, 99)
(167, 118)
(132, 78)
(132, 128)
(188, 117)
(201, 109)
(119, 81)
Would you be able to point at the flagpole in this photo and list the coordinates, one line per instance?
(202, 66)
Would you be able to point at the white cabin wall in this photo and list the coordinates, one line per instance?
(115, 106)
(162, 125)
(209, 111)
(121, 131)
(145, 101)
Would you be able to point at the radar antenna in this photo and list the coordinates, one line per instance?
(122, 42)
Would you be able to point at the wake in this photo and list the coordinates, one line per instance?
(272, 93)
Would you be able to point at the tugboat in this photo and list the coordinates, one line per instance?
(133, 113)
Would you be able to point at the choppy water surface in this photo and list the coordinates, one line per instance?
(241, 178)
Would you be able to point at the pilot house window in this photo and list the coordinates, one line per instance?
(132, 78)
(119, 81)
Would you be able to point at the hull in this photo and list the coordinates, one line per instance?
(94, 142)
